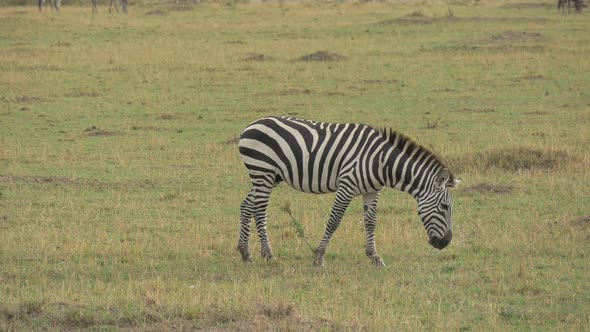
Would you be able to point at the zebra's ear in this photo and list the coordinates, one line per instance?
(453, 182)
(441, 178)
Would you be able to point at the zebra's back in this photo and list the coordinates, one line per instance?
(308, 155)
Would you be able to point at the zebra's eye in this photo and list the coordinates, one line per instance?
(444, 206)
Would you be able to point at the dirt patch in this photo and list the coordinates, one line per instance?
(61, 44)
(475, 110)
(78, 93)
(583, 221)
(56, 180)
(322, 56)
(287, 92)
(278, 311)
(182, 8)
(95, 131)
(414, 18)
(232, 141)
(258, 57)
(526, 5)
(536, 113)
(490, 188)
(29, 99)
(516, 36)
(156, 12)
(148, 128)
(387, 82)
(529, 77)
(515, 160)
(524, 158)
(166, 116)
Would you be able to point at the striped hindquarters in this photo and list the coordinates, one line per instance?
(311, 156)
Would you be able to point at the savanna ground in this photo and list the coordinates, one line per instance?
(120, 180)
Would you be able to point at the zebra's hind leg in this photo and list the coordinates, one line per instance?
(261, 199)
(246, 214)
(370, 201)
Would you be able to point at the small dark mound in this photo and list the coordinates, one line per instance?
(166, 116)
(523, 159)
(475, 110)
(583, 221)
(156, 12)
(516, 36)
(490, 188)
(322, 56)
(258, 57)
(516, 159)
(232, 141)
(95, 131)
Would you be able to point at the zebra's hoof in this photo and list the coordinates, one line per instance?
(377, 261)
(267, 254)
(318, 261)
(245, 254)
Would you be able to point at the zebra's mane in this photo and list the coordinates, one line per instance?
(398, 139)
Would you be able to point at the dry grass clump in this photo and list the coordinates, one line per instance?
(257, 57)
(493, 188)
(515, 159)
(321, 56)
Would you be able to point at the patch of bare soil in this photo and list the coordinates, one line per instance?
(148, 128)
(526, 5)
(490, 188)
(529, 77)
(583, 221)
(29, 99)
(61, 44)
(258, 57)
(79, 93)
(182, 7)
(287, 92)
(536, 113)
(56, 180)
(95, 131)
(322, 56)
(232, 141)
(156, 12)
(516, 159)
(421, 19)
(516, 36)
(166, 116)
(392, 81)
(475, 110)
(523, 158)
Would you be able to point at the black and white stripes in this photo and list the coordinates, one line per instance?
(348, 159)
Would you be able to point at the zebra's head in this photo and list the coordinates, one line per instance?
(435, 208)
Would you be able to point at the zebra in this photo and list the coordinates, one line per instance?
(54, 4)
(349, 159)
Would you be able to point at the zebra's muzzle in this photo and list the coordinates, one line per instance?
(439, 243)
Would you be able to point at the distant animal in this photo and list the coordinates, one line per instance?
(123, 4)
(349, 159)
(54, 4)
(578, 5)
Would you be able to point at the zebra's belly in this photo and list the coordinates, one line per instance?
(312, 185)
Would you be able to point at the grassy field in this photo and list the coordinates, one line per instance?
(120, 180)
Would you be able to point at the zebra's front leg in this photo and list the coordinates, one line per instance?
(246, 214)
(370, 201)
(342, 201)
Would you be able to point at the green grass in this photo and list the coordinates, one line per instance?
(120, 180)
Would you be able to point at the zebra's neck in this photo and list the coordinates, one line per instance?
(408, 166)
